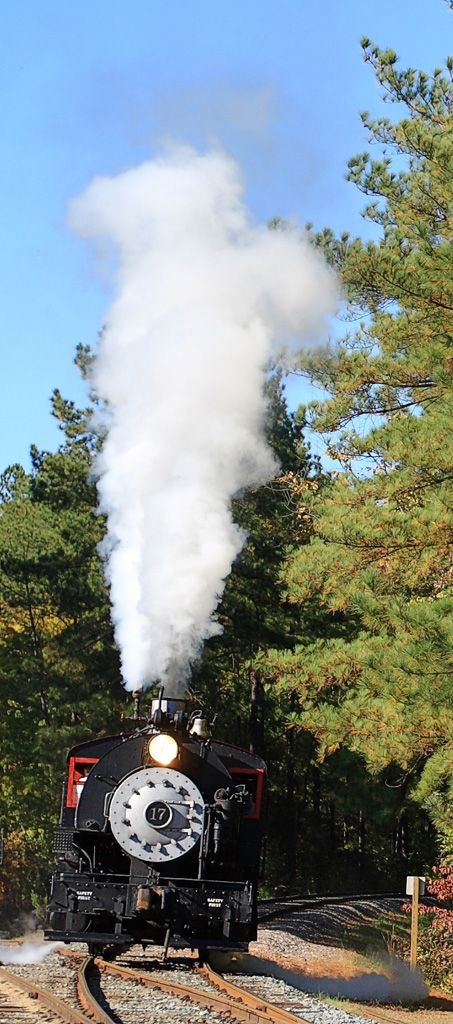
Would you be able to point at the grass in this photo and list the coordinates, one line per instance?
(387, 934)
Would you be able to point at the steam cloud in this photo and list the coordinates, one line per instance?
(204, 298)
(27, 952)
(398, 984)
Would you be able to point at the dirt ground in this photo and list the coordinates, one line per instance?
(319, 946)
(437, 1008)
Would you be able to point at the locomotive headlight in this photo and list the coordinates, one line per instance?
(163, 748)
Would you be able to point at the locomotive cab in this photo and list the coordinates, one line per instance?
(159, 838)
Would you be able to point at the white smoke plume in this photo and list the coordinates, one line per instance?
(396, 983)
(27, 952)
(204, 297)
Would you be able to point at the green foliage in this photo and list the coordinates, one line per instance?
(59, 675)
(435, 956)
(435, 948)
(335, 659)
(25, 870)
(380, 556)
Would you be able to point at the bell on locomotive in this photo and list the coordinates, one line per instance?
(161, 843)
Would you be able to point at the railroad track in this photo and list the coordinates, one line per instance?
(24, 1002)
(90, 985)
(177, 992)
(258, 1006)
(297, 1001)
(135, 991)
(221, 997)
(279, 905)
(204, 989)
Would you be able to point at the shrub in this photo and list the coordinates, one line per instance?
(435, 948)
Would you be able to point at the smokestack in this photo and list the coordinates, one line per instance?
(167, 705)
(136, 695)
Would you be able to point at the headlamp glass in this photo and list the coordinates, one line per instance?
(163, 748)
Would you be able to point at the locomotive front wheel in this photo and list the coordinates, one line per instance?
(96, 949)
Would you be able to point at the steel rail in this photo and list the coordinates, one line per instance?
(277, 1014)
(302, 896)
(282, 905)
(86, 995)
(240, 1005)
(68, 1014)
(263, 1009)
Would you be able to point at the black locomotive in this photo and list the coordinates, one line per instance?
(159, 838)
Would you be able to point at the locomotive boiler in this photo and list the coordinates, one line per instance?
(159, 838)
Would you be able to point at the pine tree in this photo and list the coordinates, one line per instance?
(59, 672)
(380, 557)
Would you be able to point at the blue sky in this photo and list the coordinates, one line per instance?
(89, 88)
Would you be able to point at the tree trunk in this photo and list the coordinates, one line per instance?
(256, 714)
(401, 841)
(361, 834)
(332, 824)
(316, 790)
(361, 838)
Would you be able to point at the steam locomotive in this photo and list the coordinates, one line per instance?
(159, 839)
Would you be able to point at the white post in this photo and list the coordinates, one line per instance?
(414, 921)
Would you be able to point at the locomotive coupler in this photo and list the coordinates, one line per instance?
(154, 897)
(143, 899)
